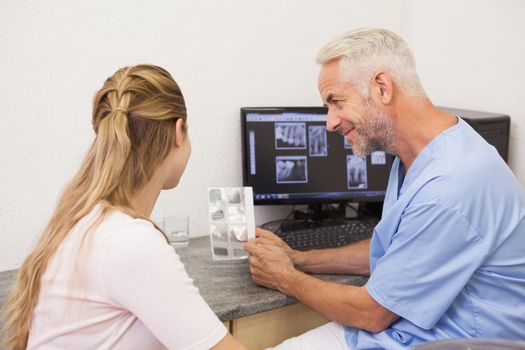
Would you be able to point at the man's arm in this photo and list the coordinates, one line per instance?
(351, 259)
(348, 305)
(271, 266)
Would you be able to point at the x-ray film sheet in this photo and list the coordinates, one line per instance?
(232, 221)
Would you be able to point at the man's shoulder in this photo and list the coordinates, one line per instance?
(476, 186)
(465, 164)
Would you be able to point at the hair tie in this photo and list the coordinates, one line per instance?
(121, 109)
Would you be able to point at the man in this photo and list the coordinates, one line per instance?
(447, 259)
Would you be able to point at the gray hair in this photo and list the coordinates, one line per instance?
(365, 51)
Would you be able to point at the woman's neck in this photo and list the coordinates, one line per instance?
(144, 200)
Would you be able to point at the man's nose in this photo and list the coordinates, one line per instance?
(332, 120)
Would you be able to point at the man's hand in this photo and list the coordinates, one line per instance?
(271, 264)
(269, 238)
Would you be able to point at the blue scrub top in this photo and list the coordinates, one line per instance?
(448, 255)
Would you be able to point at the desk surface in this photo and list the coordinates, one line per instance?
(225, 285)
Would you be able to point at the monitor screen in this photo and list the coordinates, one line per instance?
(290, 158)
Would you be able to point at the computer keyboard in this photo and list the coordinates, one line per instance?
(328, 236)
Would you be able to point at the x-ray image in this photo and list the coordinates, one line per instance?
(234, 195)
(219, 252)
(236, 214)
(291, 169)
(216, 214)
(219, 233)
(290, 135)
(215, 196)
(356, 170)
(232, 221)
(238, 233)
(318, 145)
(240, 253)
(348, 145)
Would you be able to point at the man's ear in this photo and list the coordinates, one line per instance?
(180, 133)
(382, 87)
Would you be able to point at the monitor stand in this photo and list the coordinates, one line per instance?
(372, 209)
(315, 216)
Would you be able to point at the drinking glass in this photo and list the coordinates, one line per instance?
(177, 228)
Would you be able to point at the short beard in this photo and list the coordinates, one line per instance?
(376, 133)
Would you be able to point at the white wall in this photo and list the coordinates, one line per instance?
(55, 54)
(471, 54)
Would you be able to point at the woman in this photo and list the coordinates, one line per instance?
(103, 275)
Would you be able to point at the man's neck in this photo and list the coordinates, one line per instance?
(417, 123)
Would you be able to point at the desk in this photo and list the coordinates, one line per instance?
(258, 317)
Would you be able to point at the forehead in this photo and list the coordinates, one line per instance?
(330, 82)
(329, 74)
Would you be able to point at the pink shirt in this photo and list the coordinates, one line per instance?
(126, 289)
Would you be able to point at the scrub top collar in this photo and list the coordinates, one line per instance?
(427, 154)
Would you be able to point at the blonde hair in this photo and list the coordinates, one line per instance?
(365, 51)
(134, 116)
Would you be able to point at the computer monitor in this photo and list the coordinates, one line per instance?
(290, 158)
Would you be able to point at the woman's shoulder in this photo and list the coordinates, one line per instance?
(117, 218)
(124, 245)
(122, 230)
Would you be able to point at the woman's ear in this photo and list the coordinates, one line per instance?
(180, 133)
